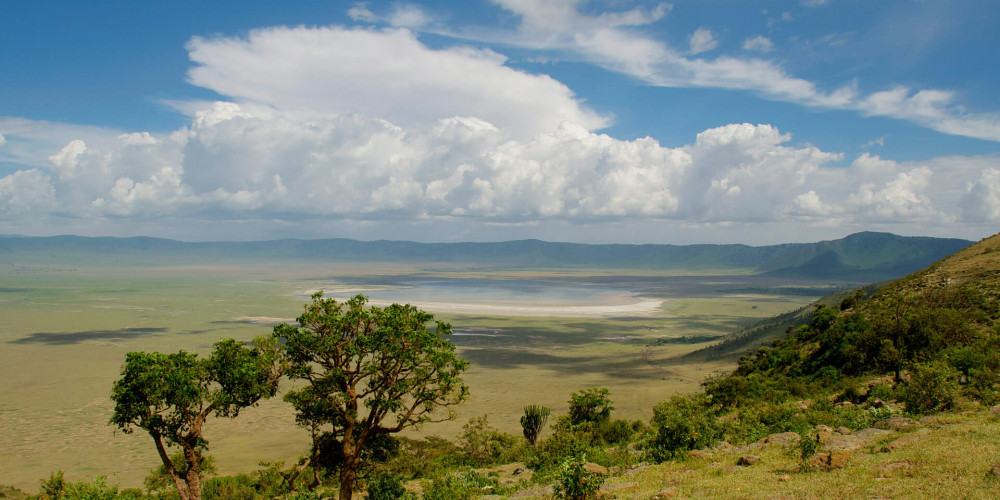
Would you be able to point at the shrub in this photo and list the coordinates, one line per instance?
(932, 387)
(483, 445)
(423, 458)
(851, 394)
(982, 385)
(567, 440)
(306, 495)
(966, 359)
(881, 391)
(574, 481)
(616, 431)
(462, 486)
(239, 487)
(590, 405)
(12, 493)
(681, 424)
(385, 486)
(57, 488)
(808, 445)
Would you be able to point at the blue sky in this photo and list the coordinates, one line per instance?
(564, 120)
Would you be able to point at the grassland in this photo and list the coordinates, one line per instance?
(946, 456)
(67, 328)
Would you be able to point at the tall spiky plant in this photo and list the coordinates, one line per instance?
(533, 421)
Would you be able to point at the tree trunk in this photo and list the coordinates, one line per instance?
(182, 489)
(349, 466)
(193, 476)
(348, 475)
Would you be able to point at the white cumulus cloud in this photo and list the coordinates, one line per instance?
(235, 162)
(386, 74)
(981, 202)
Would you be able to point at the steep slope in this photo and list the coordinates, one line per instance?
(942, 322)
(865, 257)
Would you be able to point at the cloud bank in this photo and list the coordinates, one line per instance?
(236, 163)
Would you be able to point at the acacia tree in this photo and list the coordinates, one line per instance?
(372, 371)
(170, 396)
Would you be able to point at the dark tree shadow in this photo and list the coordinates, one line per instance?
(66, 338)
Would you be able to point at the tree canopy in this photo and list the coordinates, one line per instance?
(170, 396)
(370, 371)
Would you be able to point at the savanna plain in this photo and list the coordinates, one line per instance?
(532, 336)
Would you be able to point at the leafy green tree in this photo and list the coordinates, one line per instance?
(170, 396)
(590, 405)
(533, 421)
(369, 371)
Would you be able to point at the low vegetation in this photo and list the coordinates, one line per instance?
(885, 391)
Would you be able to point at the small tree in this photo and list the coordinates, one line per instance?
(170, 396)
(369, 372)
(533, 421)
(575, 482)
(590, 405)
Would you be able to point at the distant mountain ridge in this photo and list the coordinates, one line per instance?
(861, 257)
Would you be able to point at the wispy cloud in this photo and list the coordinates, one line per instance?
(702, 41)
(607, 41)
(759, 43)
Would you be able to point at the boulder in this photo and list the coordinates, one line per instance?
(870, 434)
(670, 492)
(902, 441)
(825, 436)
(783, 438)
(593, 468)
(897, 424)
(838, 459)
(830, 460)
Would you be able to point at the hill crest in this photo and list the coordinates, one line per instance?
(858, 258)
